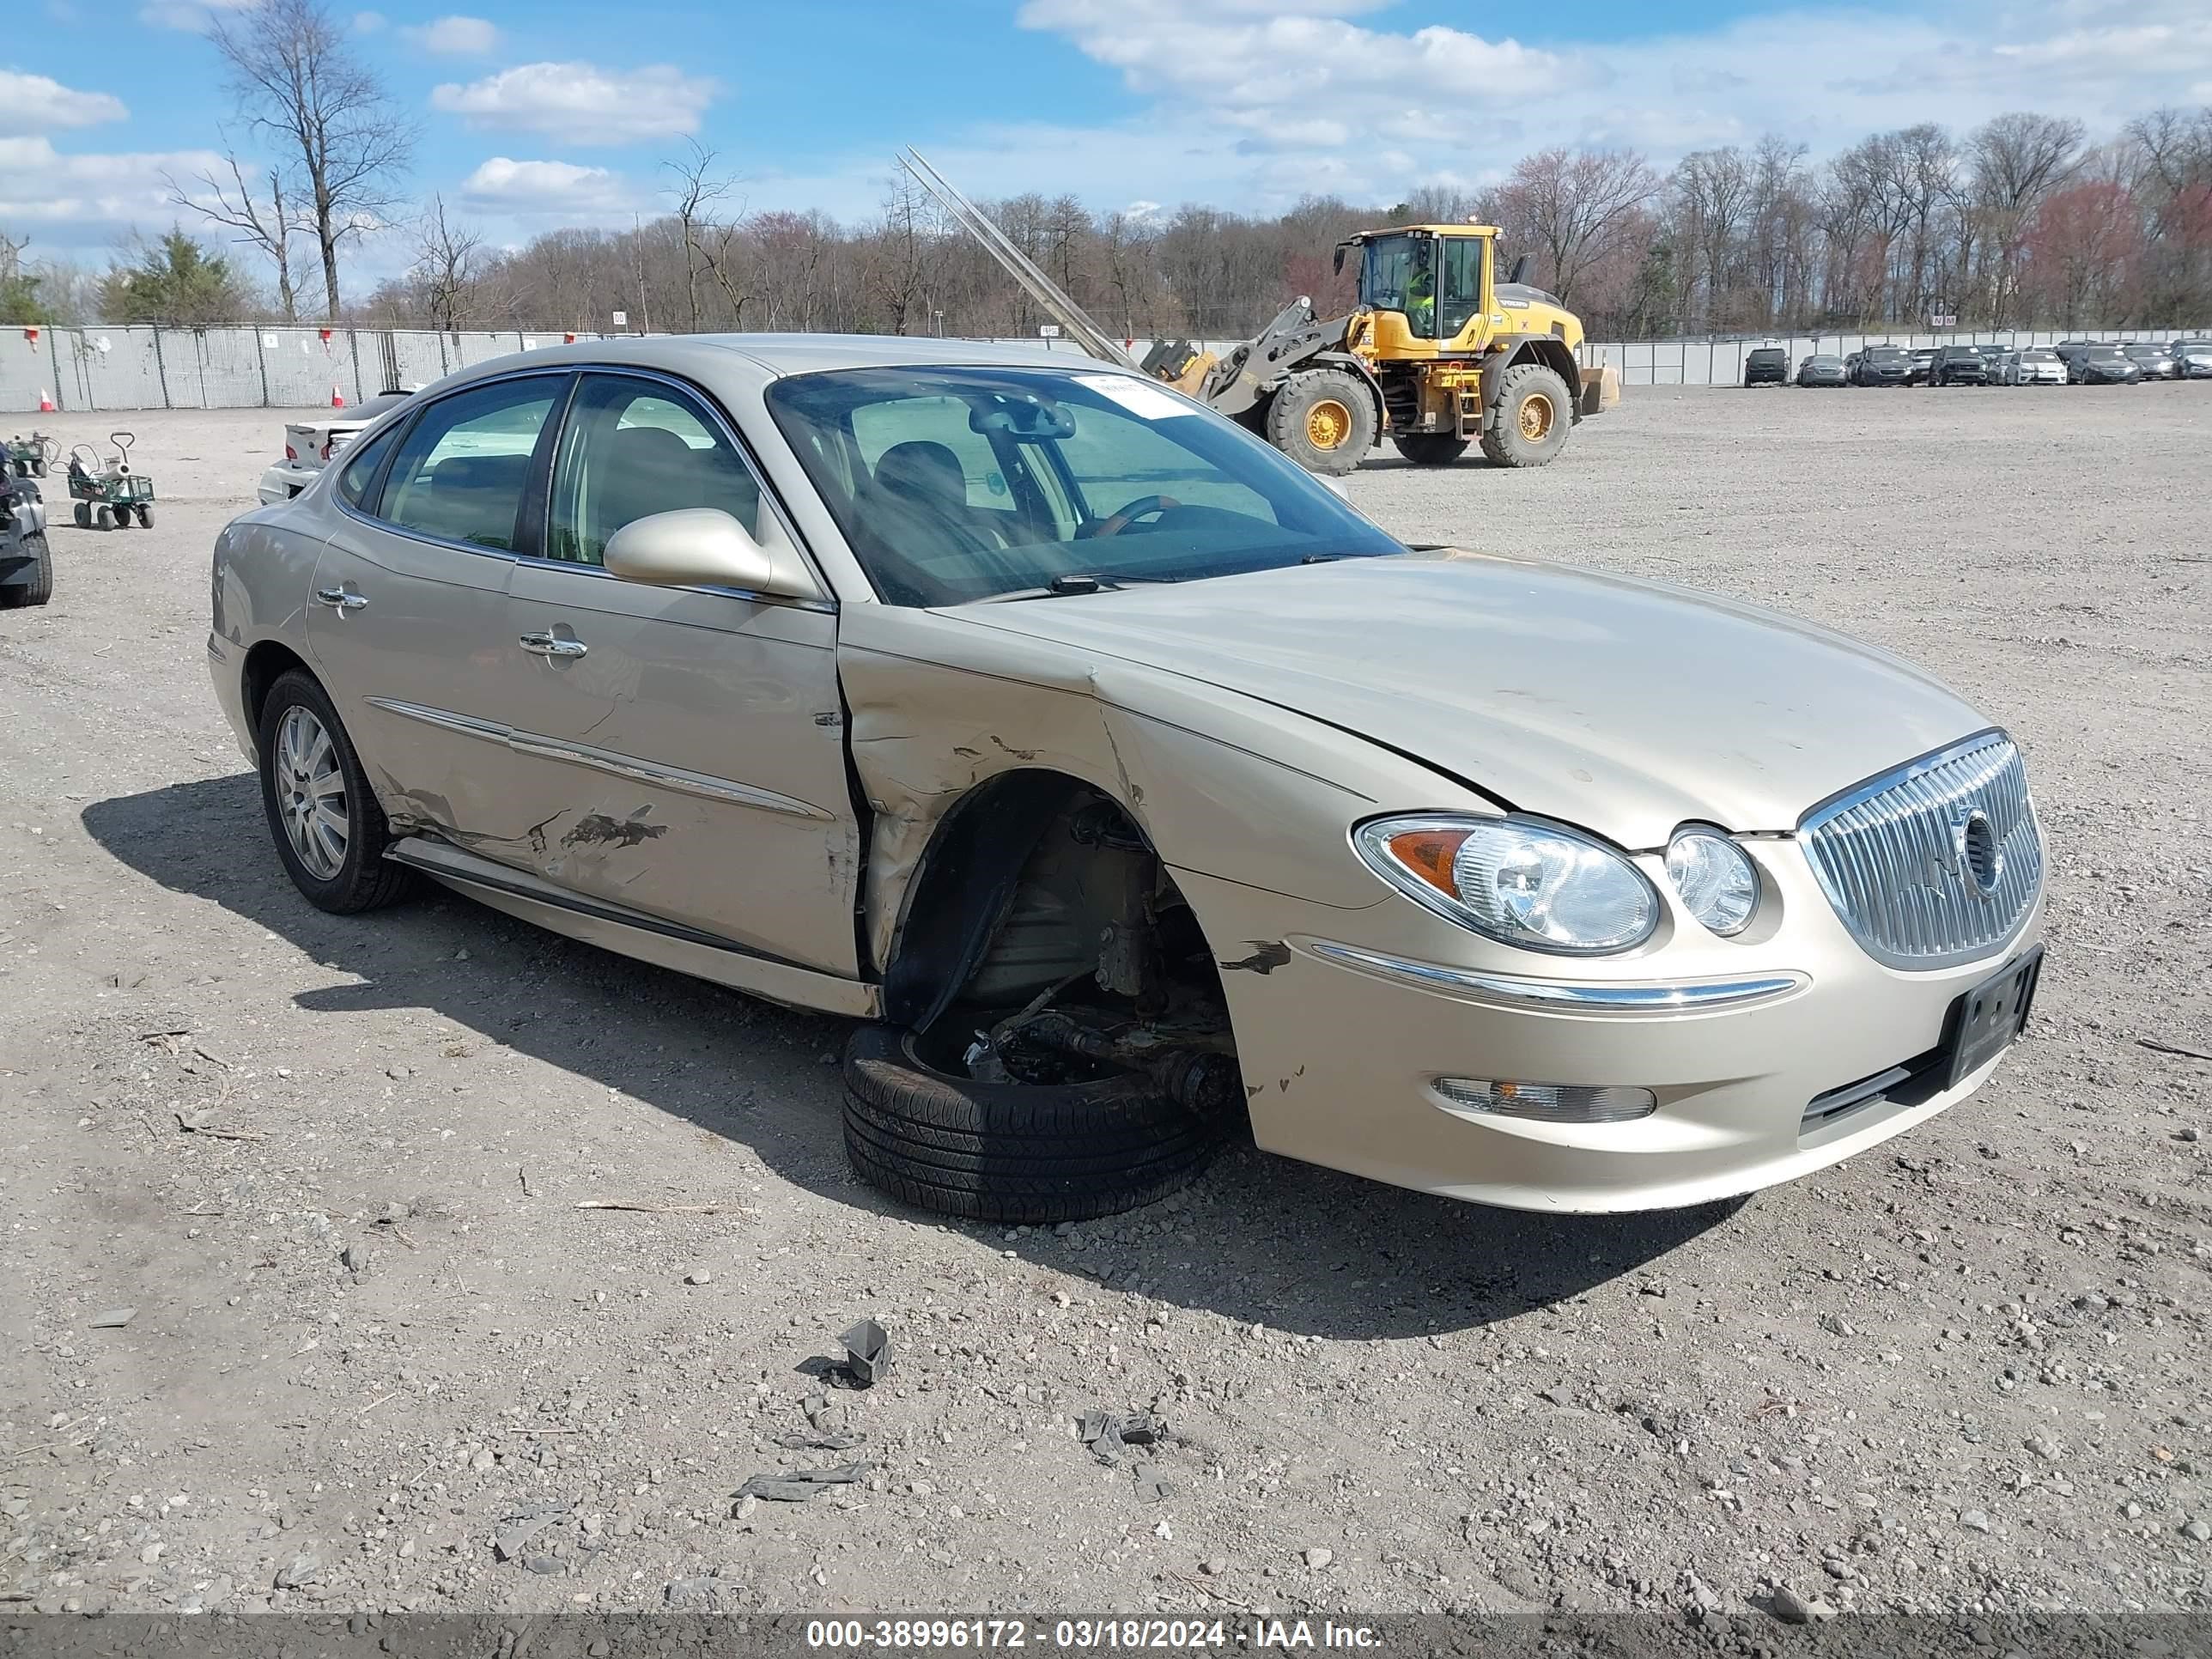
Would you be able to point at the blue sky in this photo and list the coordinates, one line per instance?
(533, 116)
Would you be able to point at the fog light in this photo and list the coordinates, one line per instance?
(1545, 1103)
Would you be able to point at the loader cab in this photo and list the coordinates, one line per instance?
(1437, 276)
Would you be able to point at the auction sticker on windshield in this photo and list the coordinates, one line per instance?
(1148, 402)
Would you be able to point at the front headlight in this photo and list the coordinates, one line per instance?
(1714, 879)
(1534, 885)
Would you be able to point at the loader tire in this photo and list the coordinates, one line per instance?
(1013, 1152)
(1533, 416)
(1430, 448)
(1324, 420)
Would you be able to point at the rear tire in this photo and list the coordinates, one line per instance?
(1430, 448)
(358, 877)
(1324, 420)
(145, 518)
(1011, 1152)
(81, 514)
(40, 586)
(1533, 417)
(102, 518)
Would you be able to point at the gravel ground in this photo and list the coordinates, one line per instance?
(380, 1358)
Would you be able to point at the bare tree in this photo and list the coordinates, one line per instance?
(299, 81)
(1574, 207)
(695, 192)
(447, 260)
(267, 222)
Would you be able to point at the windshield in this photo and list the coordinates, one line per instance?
(954, 484)
(1886, 353)
(2040, 354)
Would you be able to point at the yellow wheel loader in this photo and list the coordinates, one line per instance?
(1439, 353)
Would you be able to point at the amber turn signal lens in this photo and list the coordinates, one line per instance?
(1429, 853)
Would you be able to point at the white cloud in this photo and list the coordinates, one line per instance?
(455, 37)
(81, 205)
(558, 190)
(191, 17)
(368, 23)
(582, 103)
(33, 103)
(1268, 99)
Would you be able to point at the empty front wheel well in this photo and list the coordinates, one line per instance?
(1035, 879)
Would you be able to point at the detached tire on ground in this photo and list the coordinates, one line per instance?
(1324, 420)
(1013, 1152)
(40, 586)
(1534, 413)
(1430, 448)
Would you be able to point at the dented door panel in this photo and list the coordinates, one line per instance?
(689, 762)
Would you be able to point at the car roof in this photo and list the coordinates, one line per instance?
(760, 358)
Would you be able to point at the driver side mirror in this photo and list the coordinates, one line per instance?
(694, 547)
(1520, 268)
(1336, 265)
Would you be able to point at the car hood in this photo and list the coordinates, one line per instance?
(1623, 705)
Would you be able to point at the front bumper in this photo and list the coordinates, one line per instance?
(1342, 1055)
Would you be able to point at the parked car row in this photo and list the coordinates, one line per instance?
(2070, 363)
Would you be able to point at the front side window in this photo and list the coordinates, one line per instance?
(633, 448)
(955, 485)
(464, 466)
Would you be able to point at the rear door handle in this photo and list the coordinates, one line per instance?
(545, 645)
(340, 600)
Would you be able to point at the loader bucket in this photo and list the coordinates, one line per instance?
(1600, 389)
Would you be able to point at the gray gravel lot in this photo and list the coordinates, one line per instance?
(1966, 1371)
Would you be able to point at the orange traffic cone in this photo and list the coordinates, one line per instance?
(337, 398)
(45, 403)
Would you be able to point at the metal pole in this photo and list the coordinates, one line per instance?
(54, 361)
(161, 368)
(261, 356)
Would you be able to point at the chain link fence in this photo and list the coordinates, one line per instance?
(290, 367)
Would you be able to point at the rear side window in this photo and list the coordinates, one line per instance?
(464, 466)
(360, 469)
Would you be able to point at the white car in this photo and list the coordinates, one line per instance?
(309, 446)
(2034, 366)
(2193, 358)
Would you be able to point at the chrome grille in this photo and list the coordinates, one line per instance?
(1936, 863)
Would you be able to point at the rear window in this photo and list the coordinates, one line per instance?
(1769, 355)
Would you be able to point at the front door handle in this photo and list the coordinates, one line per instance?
(340, 600)
(545, 645)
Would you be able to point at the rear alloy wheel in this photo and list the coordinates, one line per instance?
(1532, 417)
(1324, 420)
(1015, 1152)
(330, 832)
(1430, 448)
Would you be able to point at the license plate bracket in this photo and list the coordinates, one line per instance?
(1985, 1020)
